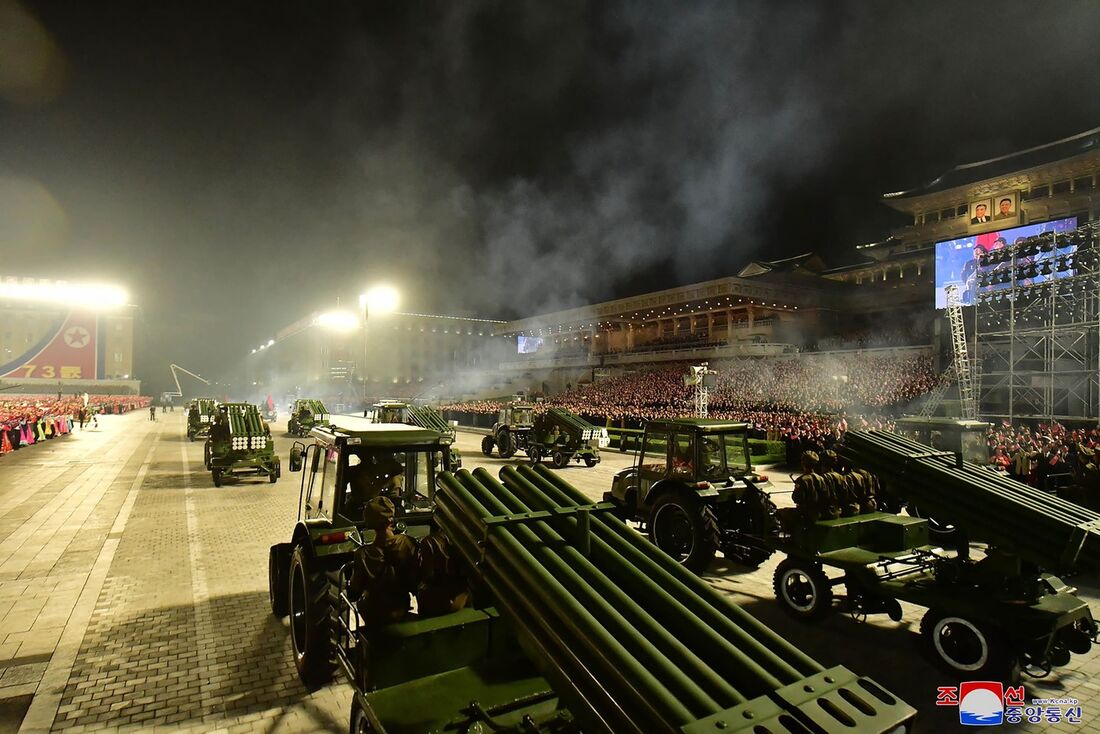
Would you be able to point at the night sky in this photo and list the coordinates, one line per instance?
(237, 165)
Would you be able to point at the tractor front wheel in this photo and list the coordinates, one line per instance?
(216, 475)
(487, 445)
(803, 589)
(278, 591)
(309, 620)
(686, 529)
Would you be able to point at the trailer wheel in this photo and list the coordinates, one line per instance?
(560, 460)
(590, 461)
(216, 474)
(360, 724)
(686, 529)
(506, 445)
(965, 647)
(803, 589)
(272, 477)
(487, 445)
(534, 454)
(309, 620)
(278, 591)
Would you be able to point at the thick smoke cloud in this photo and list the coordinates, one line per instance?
(241, 166)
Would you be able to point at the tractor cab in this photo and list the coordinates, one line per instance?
(964, 437)
(389, 411)
(517, 416)
(346, 466)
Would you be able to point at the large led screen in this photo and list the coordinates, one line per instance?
(956, 262)
(528, 344)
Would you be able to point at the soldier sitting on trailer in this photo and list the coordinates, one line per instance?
(384, 571)
(219, 432)
(841, 502)
(443, 587)
(866, 487)
(810, 493)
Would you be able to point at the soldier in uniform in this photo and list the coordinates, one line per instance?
(219, 432)
(442, 586)
(869, 489)
(810, 494)
(840, 495)
(384, 573)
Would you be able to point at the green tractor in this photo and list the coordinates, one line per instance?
(511, 432)
(345, 466)
(240, 444)
(693, 487)
(201, 413)
(424, 416)
(304, 415)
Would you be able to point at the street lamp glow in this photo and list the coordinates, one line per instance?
(339, 320)
(270, 342)
(95, 296)
(379, 299)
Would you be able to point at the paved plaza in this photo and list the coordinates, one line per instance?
(133, 596)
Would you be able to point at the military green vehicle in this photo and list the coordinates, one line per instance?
(964, 437)
(575, 625)
(240, 444)
(424, 416)
(988, 617)
(693, 487)
(346, 464)
(564, 437)
(200, 417)
(304, 415)
(512, 430)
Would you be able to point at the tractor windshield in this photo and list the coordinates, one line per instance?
(405, 476)
(521, 416)
(974, 448)
(712, 459)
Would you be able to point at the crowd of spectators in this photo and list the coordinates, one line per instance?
(29, 419)
(1048, 456)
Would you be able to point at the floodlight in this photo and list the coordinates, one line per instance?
(338, 320)
(379, 299)
(94, 296)
(270, 342)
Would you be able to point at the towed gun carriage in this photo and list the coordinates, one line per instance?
(240, 444)
(201, 413)
(305, 414)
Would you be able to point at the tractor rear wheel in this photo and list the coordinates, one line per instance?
(686, 529)
(506, 445)
(965, 647)
(278, 591)
(803, 589)
(487, 445)
(309, 620)
(560, 460)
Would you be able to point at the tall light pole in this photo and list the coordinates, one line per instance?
(377, 300)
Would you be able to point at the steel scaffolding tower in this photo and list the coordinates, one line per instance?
(967, 404)
(1037, 327)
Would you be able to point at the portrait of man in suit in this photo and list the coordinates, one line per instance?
(980, 213)
(1006, 208)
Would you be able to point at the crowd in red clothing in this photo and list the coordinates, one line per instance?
(28, 419)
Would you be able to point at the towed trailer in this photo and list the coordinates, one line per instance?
(247, 451)
(564, 437)
(200, 417)
(423, 416)
(578, 625)
(1000, 615)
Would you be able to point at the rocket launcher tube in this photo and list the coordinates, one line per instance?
(1042, 529)
(712, 644)
(692, 589)
(514, 575)
(628, 618)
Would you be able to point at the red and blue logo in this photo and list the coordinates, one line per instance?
(980, 702)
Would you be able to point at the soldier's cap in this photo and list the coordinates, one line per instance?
(379, 512)
(810, 457)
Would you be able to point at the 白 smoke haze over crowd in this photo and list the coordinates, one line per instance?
(240, 164)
